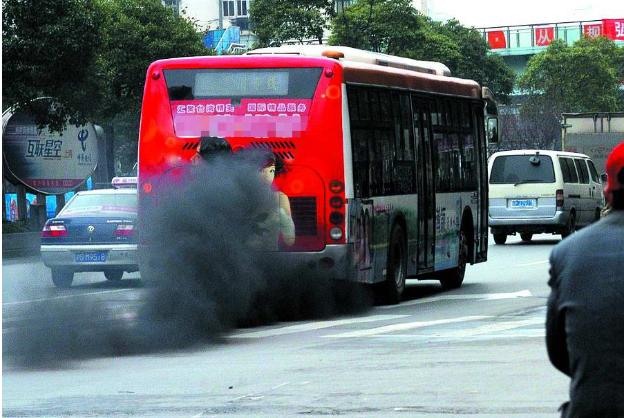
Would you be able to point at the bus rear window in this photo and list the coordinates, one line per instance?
(519, 169)
(294, 83)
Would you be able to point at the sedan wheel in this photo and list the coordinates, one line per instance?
(114, 275)
(62, 278)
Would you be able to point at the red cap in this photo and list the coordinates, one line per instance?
(615, 166)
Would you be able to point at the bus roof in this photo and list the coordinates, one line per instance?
(362, 67)
(356, 55)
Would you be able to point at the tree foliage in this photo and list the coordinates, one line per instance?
(395, 27)
(584, 77)
(89, 55)
(50, 48)
(276, 21)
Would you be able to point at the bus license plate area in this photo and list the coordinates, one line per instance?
(523, 203)
(90, 257)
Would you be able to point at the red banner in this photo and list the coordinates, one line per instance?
(613, 29)
(497, 39)
(544, 36)
(592, 30)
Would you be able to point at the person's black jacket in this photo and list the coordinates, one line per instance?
(585, 319)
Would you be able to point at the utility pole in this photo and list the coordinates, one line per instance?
(220, 14)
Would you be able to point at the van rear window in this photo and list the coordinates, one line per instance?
(519, 169)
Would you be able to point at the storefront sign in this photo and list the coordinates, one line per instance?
(44, 161)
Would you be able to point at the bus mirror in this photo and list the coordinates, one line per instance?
(492, 130)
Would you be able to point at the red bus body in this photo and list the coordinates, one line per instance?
(318, 153)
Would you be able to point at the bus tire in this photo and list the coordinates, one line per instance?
(391, 289)
(526, 236)
(453, 278)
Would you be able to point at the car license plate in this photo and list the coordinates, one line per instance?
(523, 204)
(91, 257)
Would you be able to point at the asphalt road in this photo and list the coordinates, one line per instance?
(475, 351)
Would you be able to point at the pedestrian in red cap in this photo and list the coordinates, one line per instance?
(585, 318)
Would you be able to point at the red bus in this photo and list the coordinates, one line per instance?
(386, 156)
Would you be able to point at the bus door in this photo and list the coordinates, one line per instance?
(482, 204)
(425, 184)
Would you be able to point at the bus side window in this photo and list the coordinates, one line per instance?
(405, 168)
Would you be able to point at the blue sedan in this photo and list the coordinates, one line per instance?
(95, 231)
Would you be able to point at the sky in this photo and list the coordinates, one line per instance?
(488, 13)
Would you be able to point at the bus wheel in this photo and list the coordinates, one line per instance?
(526, 236)
(392, 288)
(454, 278)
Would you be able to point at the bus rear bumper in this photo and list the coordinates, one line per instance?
(333, 262)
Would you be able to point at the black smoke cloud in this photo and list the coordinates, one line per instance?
(202, 276)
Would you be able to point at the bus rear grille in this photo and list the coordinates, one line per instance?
(304, 215)
(282, 149)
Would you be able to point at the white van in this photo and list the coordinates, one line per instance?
(540, 191)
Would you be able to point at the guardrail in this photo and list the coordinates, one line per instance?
(21, 244)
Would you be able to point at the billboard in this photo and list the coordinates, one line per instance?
(44, 161)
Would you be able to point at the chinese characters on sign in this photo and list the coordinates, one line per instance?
(544, 36)
(496, 39)
(45, 161)
(592, 30)
(613, 29)
(48, 148)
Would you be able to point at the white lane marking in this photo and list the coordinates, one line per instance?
(311, 326)
(484, 296)
(535, 263)
(403, 326)
(491, 328)
(22, 302)
(258, 395)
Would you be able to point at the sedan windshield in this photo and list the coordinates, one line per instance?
(99, 204)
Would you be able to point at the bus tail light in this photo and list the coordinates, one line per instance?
(53, 231)
(336, 218)
(559, 199)
(336, 186)
(335, 233)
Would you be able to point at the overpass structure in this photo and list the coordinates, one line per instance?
(516, 44)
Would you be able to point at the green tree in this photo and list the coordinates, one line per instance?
(276, 21)
(584, 77)
(92, 57)
(50, 48)
(395, 27)
(135, 34)
(388, 26)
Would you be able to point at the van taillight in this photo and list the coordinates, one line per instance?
(54, 231)
(560, 198)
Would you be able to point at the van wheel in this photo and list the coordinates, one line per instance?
(454, 278)
(391, 290)
(570, 227)
(500, 239)
(62, 278)
(526, 237)
(597, 215)
(113, 275)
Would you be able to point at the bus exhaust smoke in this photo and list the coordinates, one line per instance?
(203, 272)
